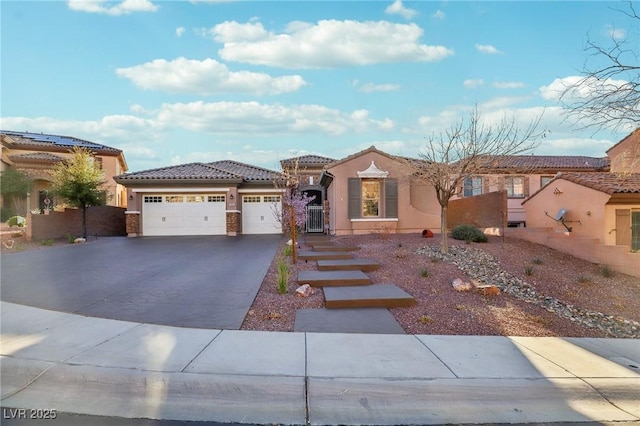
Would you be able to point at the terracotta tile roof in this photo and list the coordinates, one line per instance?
(308, 160)
(225, 170)
(190, 171)
(553, 163)
(27, 139)
(608, 183)
(37, 157)
(246, 171)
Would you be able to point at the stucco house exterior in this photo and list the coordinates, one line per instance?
(523, 175)
(372, 191)
(218, 198)
(36, 153)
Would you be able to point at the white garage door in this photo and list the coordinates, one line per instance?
(260, 214)
(184, 214)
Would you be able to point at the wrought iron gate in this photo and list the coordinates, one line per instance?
(315, 219)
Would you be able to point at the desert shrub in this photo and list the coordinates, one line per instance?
(283, 275)
(606, 271)
(70, 238)
(538, 261)
(288, 250)
(528, 270)
(424, 272)
(47, 243)
(469, 233)
(17, 221)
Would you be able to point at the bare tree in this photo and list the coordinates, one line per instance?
(608, 94)
(468, 148)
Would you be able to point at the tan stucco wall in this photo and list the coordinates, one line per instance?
(582, 204)
(625, 157)
(417, 205)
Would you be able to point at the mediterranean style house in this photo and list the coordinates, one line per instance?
(36, 153)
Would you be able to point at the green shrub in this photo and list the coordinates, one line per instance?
(424, 272)
(17, 221)
(70, 238)
(48, 242)
(288, 250)
(468, 233)
(538, 261)
(606, 271)
(283, 275)
(6, 213)
(528, 270)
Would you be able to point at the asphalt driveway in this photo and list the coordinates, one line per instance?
(202, 282)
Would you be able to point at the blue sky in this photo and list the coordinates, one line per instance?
(172, 82)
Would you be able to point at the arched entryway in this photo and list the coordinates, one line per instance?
(315, 211)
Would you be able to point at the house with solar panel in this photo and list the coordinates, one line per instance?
(36, 153)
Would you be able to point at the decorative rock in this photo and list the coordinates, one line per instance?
(488, 290)
(304, 290)
(459, 285)
(79, 240)
(482, 268)
(290, 242)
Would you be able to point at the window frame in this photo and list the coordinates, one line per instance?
(509, 186)
(473, 187)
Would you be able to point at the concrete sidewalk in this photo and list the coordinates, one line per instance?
(76, 364)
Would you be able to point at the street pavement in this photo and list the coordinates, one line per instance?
(70, 363)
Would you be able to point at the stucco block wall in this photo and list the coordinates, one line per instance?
(482, 211)
(618, 258)
(585, 209)
(101, 220)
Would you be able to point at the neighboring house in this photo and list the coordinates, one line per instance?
(625, 155)
(522, 175)
(306, 171)
(219, 198)
(371, 191)
(35, 154)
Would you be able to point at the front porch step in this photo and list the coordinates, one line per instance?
(320, 243)
(326, 255)
(333, 278)
(335, 248)
(364, 265)
(316, 237)
(371, 296)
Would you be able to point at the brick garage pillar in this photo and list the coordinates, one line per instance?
(134, 227)
(234, 222)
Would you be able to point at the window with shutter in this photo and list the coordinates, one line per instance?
(354, 198)
(391, 198)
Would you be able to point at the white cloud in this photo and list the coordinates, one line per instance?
(397, 8)
(616, 33)
(438, 14)
(180, 31)
(508, 85)
(327, 44)
(123, 8)
(574, 88)
(253, 118)
(205, 78)
(371, 87)
(473, 84)
(487, 49)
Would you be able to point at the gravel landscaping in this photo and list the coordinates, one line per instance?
(542, 292)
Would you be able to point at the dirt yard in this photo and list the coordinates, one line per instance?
(443, 310)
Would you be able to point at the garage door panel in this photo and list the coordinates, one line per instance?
(172, 215)
(260, 214)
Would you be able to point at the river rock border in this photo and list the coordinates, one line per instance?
(481, 266)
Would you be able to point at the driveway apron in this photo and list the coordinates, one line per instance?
(202, 282)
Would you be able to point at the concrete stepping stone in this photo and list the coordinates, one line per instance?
(371, 296)
(316, 237)
(333, 278)
(335, 248)
(327, 255)
(370, 321)
(320, 243)
(365, 265)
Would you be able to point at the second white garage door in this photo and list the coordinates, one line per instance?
(182, 214)
(261, 214)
